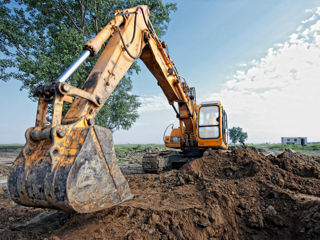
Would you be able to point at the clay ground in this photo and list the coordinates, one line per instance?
(238, 194)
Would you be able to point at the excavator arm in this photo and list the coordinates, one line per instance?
(132, 36)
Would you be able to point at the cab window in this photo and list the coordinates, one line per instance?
(209, 117)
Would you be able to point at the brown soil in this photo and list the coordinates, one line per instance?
(240, 194)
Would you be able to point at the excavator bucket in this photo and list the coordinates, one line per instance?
(80, 175)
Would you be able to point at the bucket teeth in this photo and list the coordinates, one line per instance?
(82, 175)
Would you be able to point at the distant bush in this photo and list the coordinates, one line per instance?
(310, 147)
(128, 147)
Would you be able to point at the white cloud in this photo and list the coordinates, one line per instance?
(313, 17)
(278, 95)
(153, 103)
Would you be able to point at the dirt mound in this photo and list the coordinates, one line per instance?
(240, 194)
(263, 197)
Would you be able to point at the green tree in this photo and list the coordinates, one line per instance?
(243, 137)
(40, 39)
(236, 134)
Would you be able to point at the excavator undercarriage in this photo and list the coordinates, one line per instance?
(156, 162)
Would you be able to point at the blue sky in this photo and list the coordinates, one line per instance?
(230, 50)
(209, 39)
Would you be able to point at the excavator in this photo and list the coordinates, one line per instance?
(68, 162)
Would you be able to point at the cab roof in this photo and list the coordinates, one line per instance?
(211, 102)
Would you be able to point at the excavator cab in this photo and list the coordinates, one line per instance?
(212, 125)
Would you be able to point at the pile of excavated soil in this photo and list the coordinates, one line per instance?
(240, 194)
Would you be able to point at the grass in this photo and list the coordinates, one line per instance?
(122, 150)
(10, 147)
(127, 147)
(118, 148)
(310, 149)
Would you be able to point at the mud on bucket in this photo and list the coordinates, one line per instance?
(85, 178)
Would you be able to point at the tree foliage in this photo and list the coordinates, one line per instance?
(236, 134)
(40, 39)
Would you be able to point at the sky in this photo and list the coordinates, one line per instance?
(260, 58)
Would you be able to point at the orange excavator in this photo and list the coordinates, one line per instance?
(69, 163)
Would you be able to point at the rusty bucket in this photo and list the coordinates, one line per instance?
(80, 175)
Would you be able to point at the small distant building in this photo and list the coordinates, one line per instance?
(294, 140)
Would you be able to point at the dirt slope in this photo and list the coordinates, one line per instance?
(225, 195)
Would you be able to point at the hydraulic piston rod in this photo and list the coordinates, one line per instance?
(73, 67)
